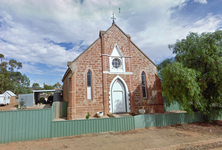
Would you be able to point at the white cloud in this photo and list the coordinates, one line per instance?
(26, 68)
(28, 26)
(161, 35)
(201, 1)
(34, 69)
(28, 46)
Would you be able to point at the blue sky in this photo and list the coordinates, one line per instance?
(44, 35)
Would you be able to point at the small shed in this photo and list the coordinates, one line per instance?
(3, 99)
(7, 97)
(28, 99)
(10, 96)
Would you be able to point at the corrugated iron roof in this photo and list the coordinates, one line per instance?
(53, 90)
(10, 93)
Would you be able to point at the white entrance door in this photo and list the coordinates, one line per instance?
(118, 97)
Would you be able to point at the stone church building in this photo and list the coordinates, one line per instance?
(113, 76)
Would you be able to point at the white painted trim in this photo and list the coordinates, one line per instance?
(127, 94)
(118, 51)
(116, 56)
(123, 63)
(117, 72)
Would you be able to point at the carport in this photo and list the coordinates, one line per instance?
(56, 94)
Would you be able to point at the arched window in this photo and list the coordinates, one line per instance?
(89, 85)
(143, 77)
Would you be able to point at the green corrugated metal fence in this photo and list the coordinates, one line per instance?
(123, 124)
(77, 127)
(159, 120)
(146, 120)
(23, 125)
(177, 118)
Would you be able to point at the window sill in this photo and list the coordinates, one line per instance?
(117, 72)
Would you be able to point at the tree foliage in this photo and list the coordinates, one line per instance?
(11, 78)
(36, 86)
(48, 87)
(57, 86)
(193, 77)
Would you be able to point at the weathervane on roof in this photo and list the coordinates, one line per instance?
(113, 18)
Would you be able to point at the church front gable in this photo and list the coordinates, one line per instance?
(109, 76)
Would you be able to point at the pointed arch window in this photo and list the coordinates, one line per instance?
(143, 77)
(89, 84)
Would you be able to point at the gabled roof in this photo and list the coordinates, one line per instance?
(67, 72)
(85, 50)
(143, 53)
(104, 32)
(10, 93)
(133, 44)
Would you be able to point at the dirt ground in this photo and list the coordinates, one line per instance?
(13, 106)
(182, 137)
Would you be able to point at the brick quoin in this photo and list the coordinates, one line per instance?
(96, 59)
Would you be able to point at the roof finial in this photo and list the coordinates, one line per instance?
(113, 18)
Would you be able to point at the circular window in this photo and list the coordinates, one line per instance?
(116, 63)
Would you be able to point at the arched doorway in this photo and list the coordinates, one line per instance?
(118, 97)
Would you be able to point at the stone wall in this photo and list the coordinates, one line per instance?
(66, 90)
(96, 59)
(90, 60)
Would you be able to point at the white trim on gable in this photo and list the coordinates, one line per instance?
(116, 51)
(116, 54)
(117, 72)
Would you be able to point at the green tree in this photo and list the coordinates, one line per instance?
(57, 86)
(23, 87)
(2, 57)
(36, 86)
(164, 64)
(11, 78)
(48, 87)
(193, 78)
